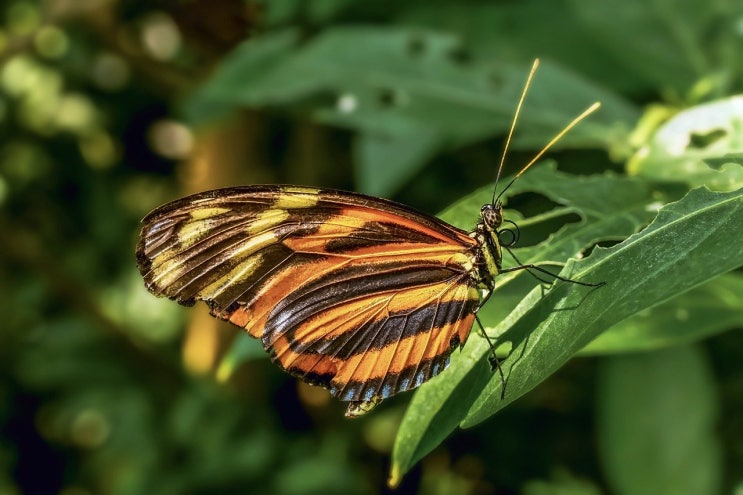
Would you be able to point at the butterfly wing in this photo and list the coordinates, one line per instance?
(360, 295)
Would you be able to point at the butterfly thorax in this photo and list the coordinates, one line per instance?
(489, 254)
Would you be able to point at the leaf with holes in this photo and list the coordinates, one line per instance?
(690, 242)
(609, 207)
(408, 94)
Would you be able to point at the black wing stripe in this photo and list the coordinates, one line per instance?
(425, 368)
(347, 284)
(378, 332)
(213, 255)
(411, 377)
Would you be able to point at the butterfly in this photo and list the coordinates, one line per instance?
(361, 295)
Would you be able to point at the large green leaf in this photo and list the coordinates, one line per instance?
(610, 207)
(691, 241)
(284, 12)
(656, 423)
(409, 95)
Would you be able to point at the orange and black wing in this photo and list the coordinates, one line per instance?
(357, 294)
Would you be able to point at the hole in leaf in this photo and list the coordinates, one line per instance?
(459, 55)
(702, 140)
(531, 205)
(389, 97)
(416, 45)
(495, 80)
(533, 234)
(604, 244)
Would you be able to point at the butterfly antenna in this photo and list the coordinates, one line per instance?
(534, 66)
(588, 111)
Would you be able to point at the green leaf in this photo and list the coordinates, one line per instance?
(246, 63)
(610, 207)
(397, 86)
(699, 146)
(656, 423)
(283, 12)
(691, 241)
(396, 158)
(702, 312)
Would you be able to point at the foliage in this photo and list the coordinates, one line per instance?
(111, 108)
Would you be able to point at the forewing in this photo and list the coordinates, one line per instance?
(330, 281)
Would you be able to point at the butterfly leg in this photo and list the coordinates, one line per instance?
(529, 266)
(493, 358)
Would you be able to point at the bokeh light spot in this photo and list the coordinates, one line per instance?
(75, 112)
(51, 42)
(171, 139)
(160, 36)
(90, 428)
(110, 72)
(98, 149)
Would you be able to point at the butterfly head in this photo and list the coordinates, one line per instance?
(492, 216)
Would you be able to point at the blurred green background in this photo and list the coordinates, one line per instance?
(110, 108)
